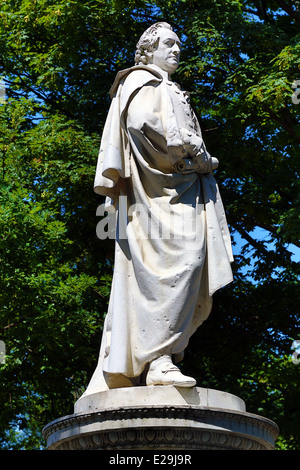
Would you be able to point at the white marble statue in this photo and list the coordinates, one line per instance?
(153, 167)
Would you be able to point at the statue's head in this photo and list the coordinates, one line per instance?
(159, 45)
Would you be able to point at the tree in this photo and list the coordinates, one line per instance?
(58, 60)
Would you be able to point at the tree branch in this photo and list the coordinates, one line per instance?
(287, 124)
(256, 244)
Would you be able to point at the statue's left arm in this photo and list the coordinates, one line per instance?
(150, 115)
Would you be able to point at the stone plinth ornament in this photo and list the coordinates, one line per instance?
(161, 418)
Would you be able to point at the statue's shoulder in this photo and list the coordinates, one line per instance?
(134, 78)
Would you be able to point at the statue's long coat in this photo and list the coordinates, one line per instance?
(173, 249)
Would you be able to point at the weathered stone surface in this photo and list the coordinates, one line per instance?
(173, 247)
(161, 418)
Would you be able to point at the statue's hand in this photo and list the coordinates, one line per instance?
(215, 163)
(206, 162)
(192, 143)
(195, 147)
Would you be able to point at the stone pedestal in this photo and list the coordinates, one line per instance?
(161, 418)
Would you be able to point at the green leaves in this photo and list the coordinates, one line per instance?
(58, 59)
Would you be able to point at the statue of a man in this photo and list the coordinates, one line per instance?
(154, 168)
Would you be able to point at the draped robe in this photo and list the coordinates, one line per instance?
(173, 248)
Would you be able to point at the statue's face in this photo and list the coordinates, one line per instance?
(166, 56)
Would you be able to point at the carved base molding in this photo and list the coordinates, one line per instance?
(161, 427)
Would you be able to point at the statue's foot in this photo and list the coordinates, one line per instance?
(163, 372)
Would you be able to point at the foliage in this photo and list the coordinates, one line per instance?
(58, 59)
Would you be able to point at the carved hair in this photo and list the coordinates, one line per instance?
(148, 42)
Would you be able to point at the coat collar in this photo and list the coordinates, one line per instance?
(122, 74)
